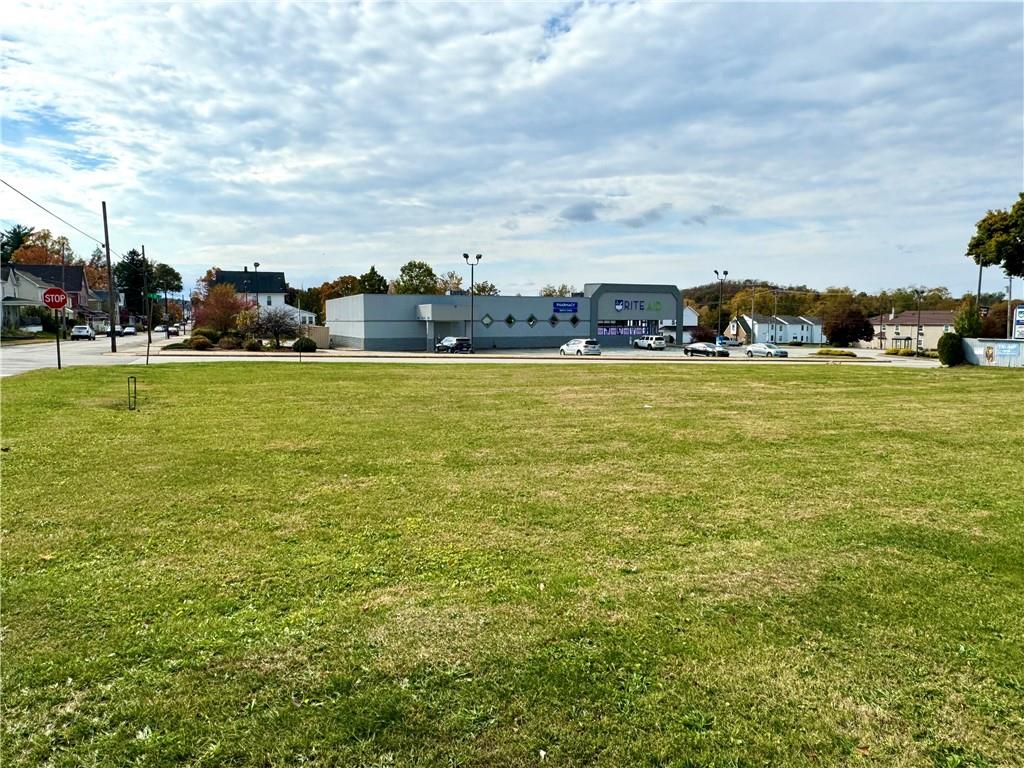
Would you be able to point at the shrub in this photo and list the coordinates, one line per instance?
(907, 353)
(951, 349)
(796, 344)
(209, 333)
(228, 342)
(253, 345)
(835, 352)
(200, 343)
(304, 344)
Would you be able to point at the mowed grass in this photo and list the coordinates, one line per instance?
(268, 564)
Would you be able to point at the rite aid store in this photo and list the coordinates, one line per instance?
(614, 314)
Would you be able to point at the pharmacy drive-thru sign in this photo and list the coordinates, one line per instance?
(55, 298)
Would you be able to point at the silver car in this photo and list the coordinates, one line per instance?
(766, 350)
(580, 347)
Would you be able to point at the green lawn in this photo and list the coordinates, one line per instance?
(489, 565)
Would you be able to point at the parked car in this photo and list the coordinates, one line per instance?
(129, 330)
(173, 330)
(649, 342)
(705, 349)
(160, 329)
(454, 344)
(580, 347)
(83, 332)
(766, 350)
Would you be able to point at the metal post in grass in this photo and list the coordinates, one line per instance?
(472, 291)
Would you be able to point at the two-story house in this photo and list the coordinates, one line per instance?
(265, 289)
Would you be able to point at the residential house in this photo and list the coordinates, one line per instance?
(268, 288)
(72, 279)
(667, 328)
(898, 331)
(19, 291)
(780, 329)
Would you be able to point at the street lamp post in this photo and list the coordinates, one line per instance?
(256, 278)
(918, 336)
(472, 291)
(721, 280)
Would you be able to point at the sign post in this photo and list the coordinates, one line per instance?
(55, 299)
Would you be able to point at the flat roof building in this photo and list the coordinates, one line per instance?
(612, 313)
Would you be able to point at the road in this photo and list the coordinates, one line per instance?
(131, 350)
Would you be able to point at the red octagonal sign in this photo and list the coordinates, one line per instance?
(55, 298)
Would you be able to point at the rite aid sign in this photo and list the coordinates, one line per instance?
(637, 305)
(55, 298)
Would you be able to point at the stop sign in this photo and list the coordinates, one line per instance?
(55, 298)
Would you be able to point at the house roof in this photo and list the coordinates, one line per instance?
(251, 282)
(74, 277)
(928, 317)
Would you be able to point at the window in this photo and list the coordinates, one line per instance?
(574, 321)
(531, 321)
(486, 321)
(510, 321)
(553, 320)
(945, 329)
(896, 329)
(268, 301)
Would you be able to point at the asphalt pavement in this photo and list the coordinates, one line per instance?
(131, 350)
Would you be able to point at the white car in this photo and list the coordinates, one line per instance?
(649, 342)
(129, 330)
(580, 347)
(83, 332)
(766, 350)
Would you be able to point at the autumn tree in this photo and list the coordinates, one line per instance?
(416, 277)
(484, 288)
(43, 248)
(561, 290)
(449, 282)
(219, 309)
(96, 270)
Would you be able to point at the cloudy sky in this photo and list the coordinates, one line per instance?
(825, 144)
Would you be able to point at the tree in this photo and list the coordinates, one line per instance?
(96, 270)
(12, 239)
(279, 323)
(165, 279)
(562, 290)
(373, 282)
(968, 320)
(485, 288)
(219, 309)
(999, 240)
(449, 281)
(416, 277)
(132, 274)
(43, 248)
(845, 323)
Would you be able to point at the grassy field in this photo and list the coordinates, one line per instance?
(513, 565)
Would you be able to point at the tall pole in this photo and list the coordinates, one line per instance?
(775, 317)
(256, 278)
(977, 304)
(1009, 308)
(753, 293)
(64, 309)
(918, 333)
(111, 290)
(472, 293)
(721, 281)
(147, 303)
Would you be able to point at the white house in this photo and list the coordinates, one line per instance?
(780, 329)
(267, 289)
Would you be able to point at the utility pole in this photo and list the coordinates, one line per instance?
(918, 335)
(112, 290)
(472, 264)
(64, 309)
(753, 293)
(775, 318)
(1009, 308)
(148, 303)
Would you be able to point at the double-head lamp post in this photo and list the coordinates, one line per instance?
(721, 281)
(472, 291)
(256, 279)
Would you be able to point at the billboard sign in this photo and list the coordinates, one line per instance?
(566, 307)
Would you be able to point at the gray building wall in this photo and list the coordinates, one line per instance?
(390, 322)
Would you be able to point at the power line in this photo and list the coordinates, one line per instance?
(59, 218)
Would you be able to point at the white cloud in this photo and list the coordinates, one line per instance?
(784, 142)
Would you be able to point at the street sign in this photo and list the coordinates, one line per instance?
(55, 298)
(1018, 322)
